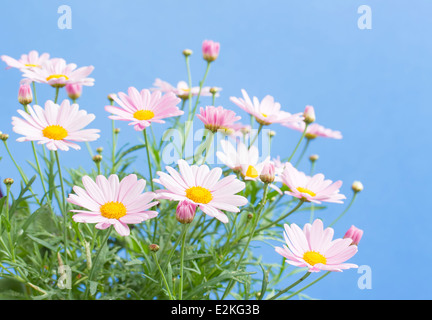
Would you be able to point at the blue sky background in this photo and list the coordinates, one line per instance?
(373, 85)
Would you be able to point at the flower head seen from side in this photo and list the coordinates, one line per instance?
(113, 202)
(203, 187)
(314, 248)
(267, 111)
(182, 90)
(312, 189)
(27, 61)
(143, 108)
(57, 73)
(56, 126)
(218, 118)
(314, 130)
(210, 50)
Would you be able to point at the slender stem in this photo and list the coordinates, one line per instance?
(310, 284)
(213, 98)
(183, 245)
(307, 274)
(189, 83)
(163, 276)
(22, 174)
(303, 153)
(34, 92)
(208, 146)
(12, 251)
(57, 89)
(114, 143)
(298, 143)
(63, 206)
(148, 159)
(256, 136)
(263, 202)
(345, 211)
(92, 271)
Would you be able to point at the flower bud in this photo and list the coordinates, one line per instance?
(210, 50)
(357, 186)
(268, 173)
(97, 158)
(111, 97)
(153, 247)
(4, 136)
(309, 114)
(99, 150)
(25, 95)
(73, 90)
(117, 130)
(8, 181)
(185, 211)
(355, 234)
(187, 52)
(271, 133)
(213, 90)
(250, 216)
(313, 157)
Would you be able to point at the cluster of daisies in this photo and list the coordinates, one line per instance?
(111, 202)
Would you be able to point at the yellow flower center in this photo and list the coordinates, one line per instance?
(143, 115)
(313, 258)
(199, 195)
(32, 65)
(55, 132)
(113, 210)
(57, 76)
(304, 190)
(264, 115)
(251, 172)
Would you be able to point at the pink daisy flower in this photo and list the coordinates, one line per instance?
(182, 90)
(27, 61)
(56, 126)
(210, 50)
(311, 189)
(110, 202)
(201, 186)
(267, 111)
(218, 118)
(143, 108)
(314, 130)
(314, 248)
(57, 73)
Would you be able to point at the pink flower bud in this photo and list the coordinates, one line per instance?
(74, 90)
(25, 95)
(210, 50)
(185, 211)
(355, 234)
(268, 173)
(309, 114)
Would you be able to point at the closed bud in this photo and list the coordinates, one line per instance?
(73, 90)
(187, 52)
(185, 211)
(213, 90)
(8, 181)
(268, 173)
(314, 157)
(355, 234)
(97, 158)
(271, 133)
(111, 97)
(4, 136)
(309, 114)
(153, 247)
(250, 216)
(99, 150)
(25, 95)
(210, 50)
(117, 130)
(357, 186)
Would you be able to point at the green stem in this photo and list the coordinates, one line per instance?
(263, 202)
(310, 284)
(22, 174)
(92, 271)
(63, 206)
(256, 136)
(148, 159)
(12, 251)
(298, 143)
(208, 146)
(57, 89)
(183, 245)
(163, 276)
(34, 92)
(345, 211)
(114, 144)
(303, 153)
(307, 274)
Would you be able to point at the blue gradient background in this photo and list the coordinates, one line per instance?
(373, 85)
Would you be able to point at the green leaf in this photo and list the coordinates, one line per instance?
(264, 282)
